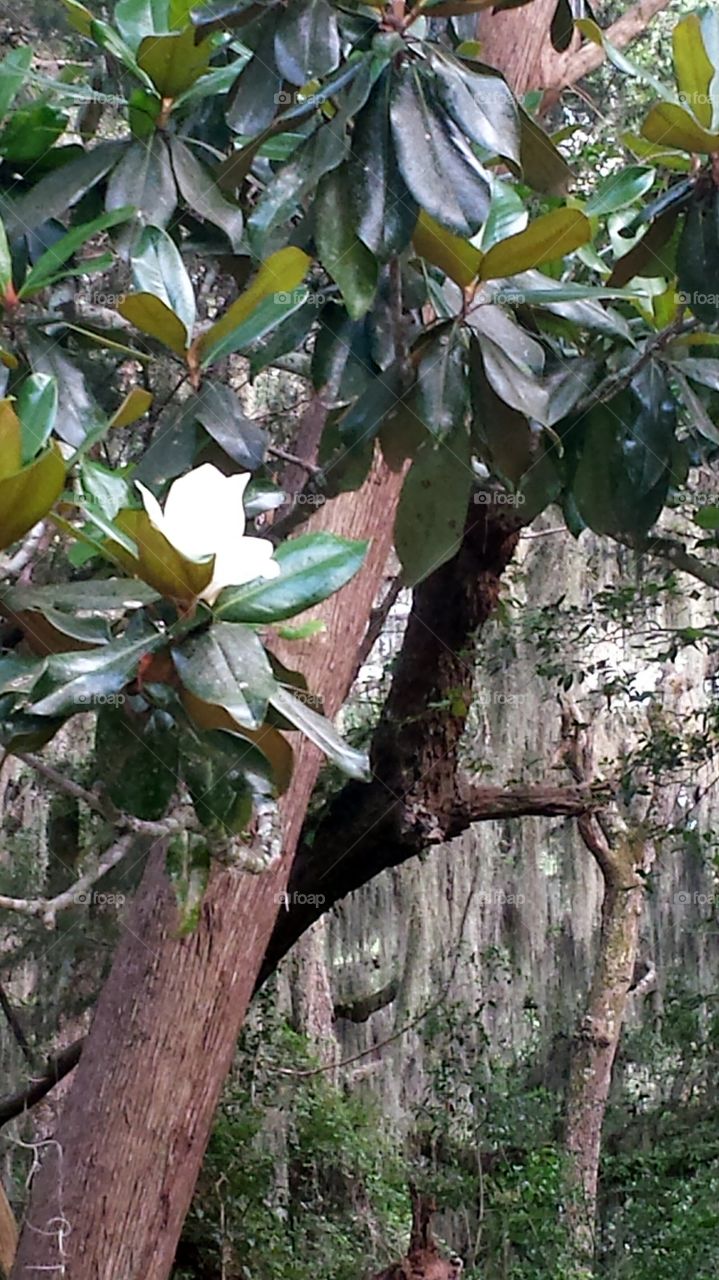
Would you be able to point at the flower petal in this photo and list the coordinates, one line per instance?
(240, 562)
(204, 508)
(152, 507)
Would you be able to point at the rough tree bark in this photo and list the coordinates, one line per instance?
(109, 1200)
(624, 857)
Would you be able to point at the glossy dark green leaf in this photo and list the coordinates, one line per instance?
(144, 180)
(307, 43)
(157, 268)
(223, 15)
(704, 371)
(227, 667)
(363, 419)
(75, 682)
(439, 397)
(436, 161)
(432, 508)
(502, 434)
(344, 257)
(77, 412)
(342, 365)
(257, 94)
(323, 151)
(290, 335)
(111, 595)
(322, 732)
(60, 189)
(513, 362)
(222, 416)
(481, 105)
(648, 256)
(698, 258)
(49, 267)
(188, 867)
(173, 446)
(313, 567)
(136, 756)
(105, 488)
(201, 194)
(267, 316)
(561, 28)
(576, 302)
(385, 213)
(36, 408)
(624, 468)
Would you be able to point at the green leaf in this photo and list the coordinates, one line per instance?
(256, 94)
(385, 213)
(105, 595)
(221, 414)
(321, 152)
(322, 733)
(5, 261)
(201, 194)
(438, 165)
(157, 268)
(672, 126)
(622, 189)
(349, 262)
(707, 518)
(705, 372)
(549, 237)
(36, 409)
(173, 62)
(153, 317)
(432, 509)
(542, 165)
(271, 297)
(144, 180)
(228, 667)
(188, 866)
(214, 766)
(693, 68)
(342, 364)
(60, 189)
(48, 266)
(503, 435)
(439, 397)
(75, 682)
(13, 70)
(593, 32)
(30, 133)
(138, 18)
(699, 417)
(77, 413)
(313, 566)
(105, 489)
(513, 362)
(27, 495)
(136, 756)
(575, 302)
(507, 214)
(698, 258)
(647, 256)
(307, 43)
(481, 104)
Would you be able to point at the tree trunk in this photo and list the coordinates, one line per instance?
(116, 1183)
(596, 1044)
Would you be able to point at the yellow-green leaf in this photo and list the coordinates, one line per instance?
(281, 273)
(79, 17)
(544, 240)
(10, 439)
(456, 257)
(153, 316)
(136, 403)
(655, 152)
(28, 494)
(671, 126)
(693, 69)
(174, 62)
(158, 563)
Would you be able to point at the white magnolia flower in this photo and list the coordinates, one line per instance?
(204, 516)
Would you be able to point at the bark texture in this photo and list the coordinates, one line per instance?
(115, 1185)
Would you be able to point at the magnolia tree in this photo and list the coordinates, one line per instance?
(485, 334)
